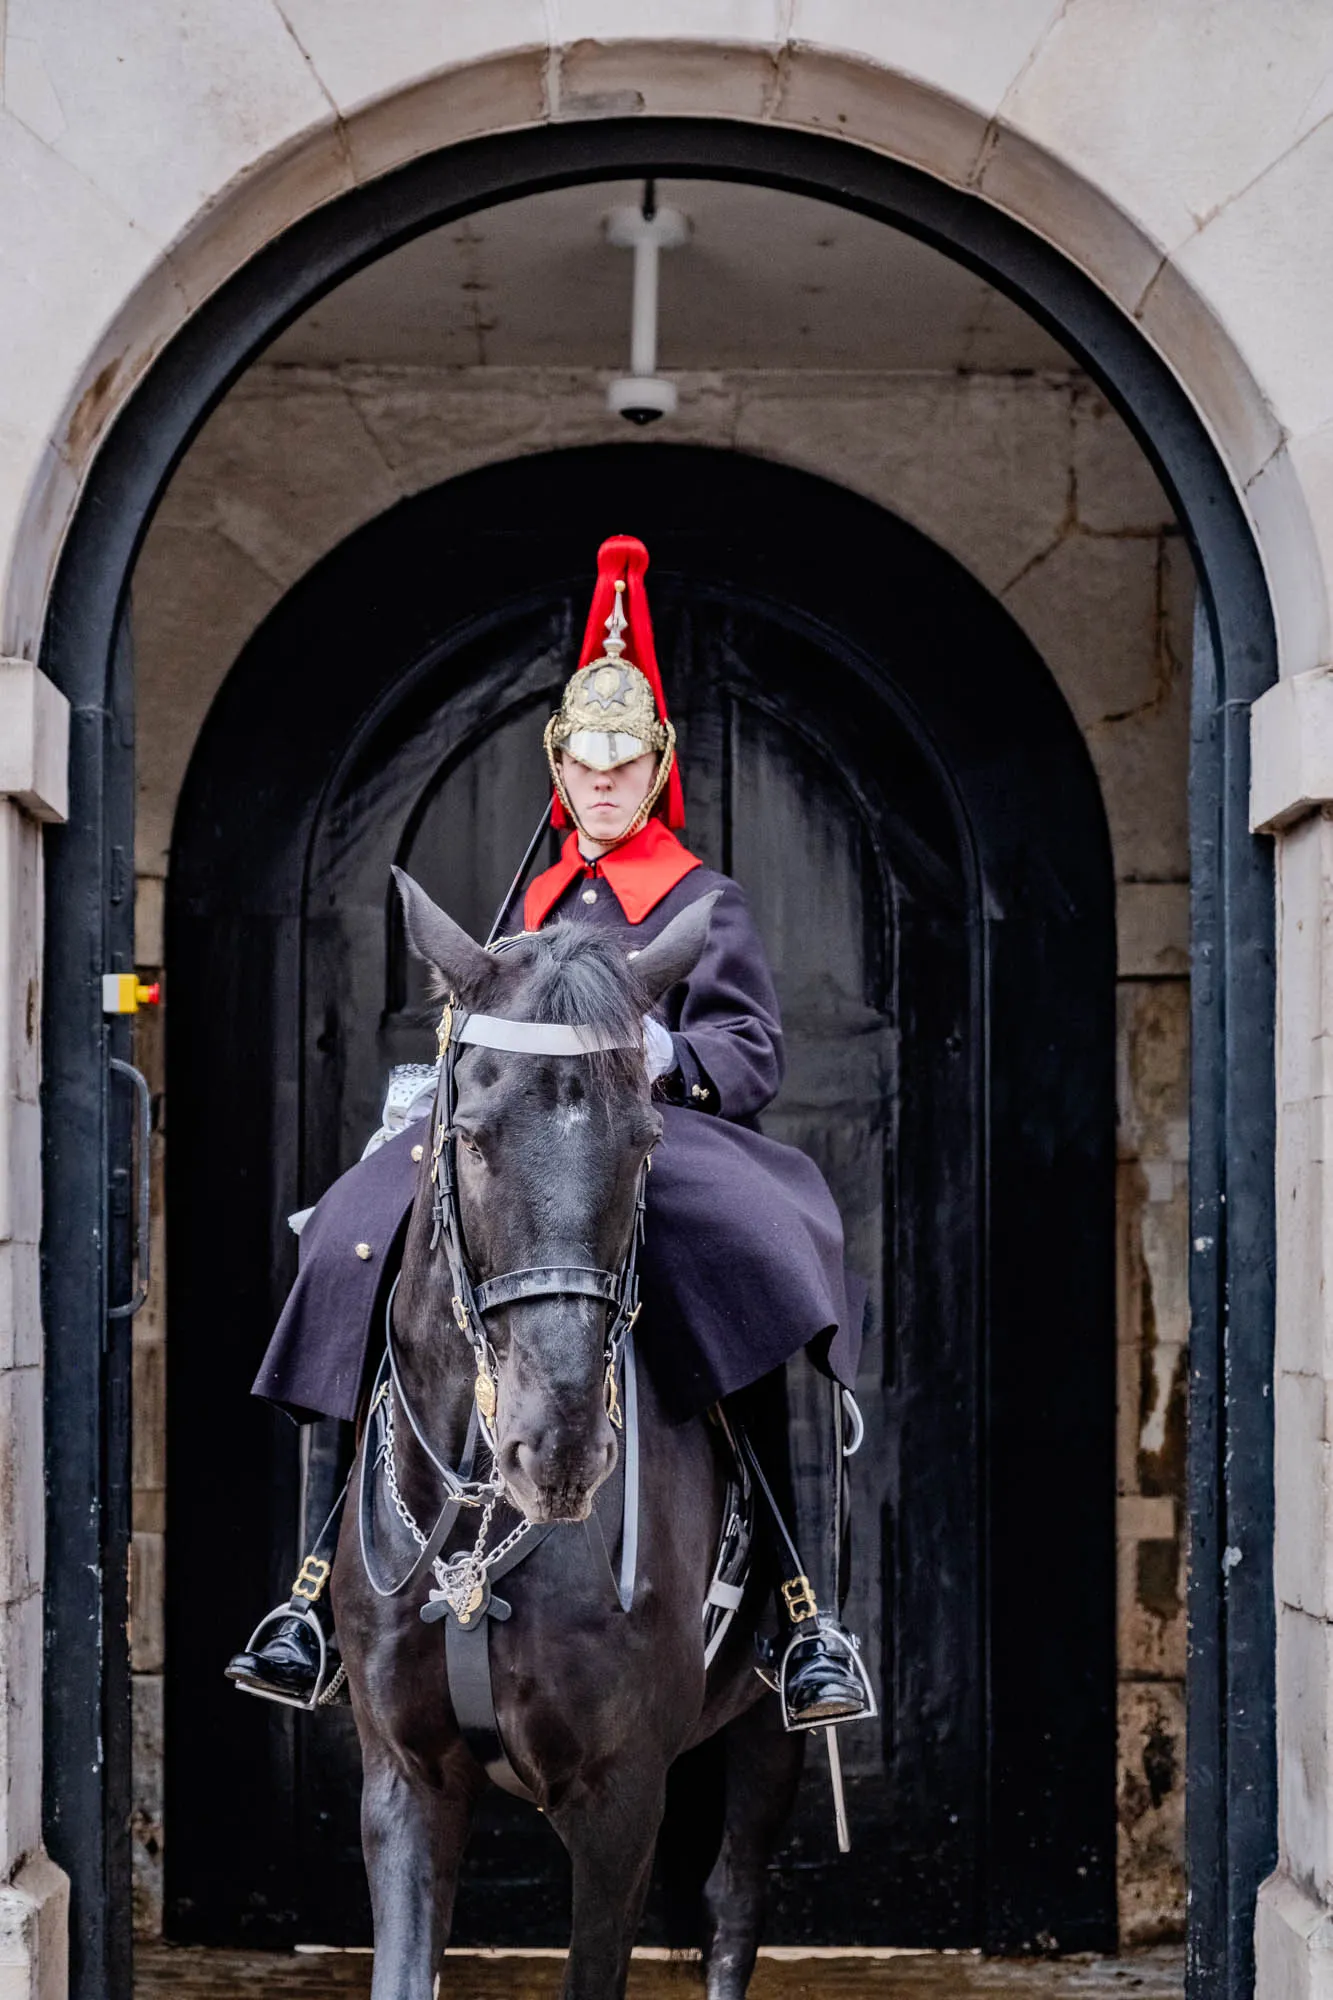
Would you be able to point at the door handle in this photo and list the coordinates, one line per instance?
(143, 1217)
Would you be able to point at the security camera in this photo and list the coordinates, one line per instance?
(641, 399)
(643, 396)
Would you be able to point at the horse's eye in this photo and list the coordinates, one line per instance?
(469, 1144)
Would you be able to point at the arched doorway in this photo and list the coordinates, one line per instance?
(1231, 1779)
(877, 753)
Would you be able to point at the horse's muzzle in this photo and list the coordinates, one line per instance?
(551, 1477)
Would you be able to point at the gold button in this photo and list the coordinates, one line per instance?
(418, 1152)
(590, 895)
(363, 1252)
(698, 1091)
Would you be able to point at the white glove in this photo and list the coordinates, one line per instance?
(659, 1049)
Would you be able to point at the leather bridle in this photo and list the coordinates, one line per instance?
(473, 1299)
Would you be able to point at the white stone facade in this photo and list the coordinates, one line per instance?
(1180, 155)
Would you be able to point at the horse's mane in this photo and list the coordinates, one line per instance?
(579, 975)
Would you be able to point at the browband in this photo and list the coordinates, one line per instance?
(538, 1038)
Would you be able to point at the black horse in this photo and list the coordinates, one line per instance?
(594, 1703)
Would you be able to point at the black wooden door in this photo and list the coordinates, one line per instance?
(816, 774)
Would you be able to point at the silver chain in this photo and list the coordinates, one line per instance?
(463, 1574)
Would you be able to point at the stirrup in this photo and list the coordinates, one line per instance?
(833, 1634)
(327, 1685)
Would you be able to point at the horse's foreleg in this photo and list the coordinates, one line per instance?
(763, 1771)
(610, 1841)
(412, 1835)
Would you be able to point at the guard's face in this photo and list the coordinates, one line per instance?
(606, 801)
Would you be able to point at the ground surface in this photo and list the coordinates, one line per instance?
(164, 1972)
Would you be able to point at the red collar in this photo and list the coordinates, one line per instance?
(640, 873)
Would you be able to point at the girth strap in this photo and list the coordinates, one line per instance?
(545, 1282)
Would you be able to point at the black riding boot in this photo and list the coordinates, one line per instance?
(816, 1661)
(293, 1653)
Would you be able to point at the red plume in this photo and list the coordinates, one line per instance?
(624, 556)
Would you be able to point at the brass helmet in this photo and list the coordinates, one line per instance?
(610, 714)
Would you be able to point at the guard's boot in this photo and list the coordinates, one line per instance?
(820, 1678)
(292, 1654)
(815, 1661)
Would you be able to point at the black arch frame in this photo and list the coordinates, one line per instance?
(1231, 1767)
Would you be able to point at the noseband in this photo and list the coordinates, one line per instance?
(472, 1301)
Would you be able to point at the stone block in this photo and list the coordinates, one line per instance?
(38, 492)
(1150, 1590)
(493, 96)
(1091, 606)
(663, 78)
(146, 1817)
(283, 477)
(72, 257)
(1305, 1780)
(20, 1306)
(1304, 1247)
(1304, 914)
(895, 114)
(1290, 503)
(980, 465)
(34, 741)
(362, 57)
(1031, 180)
(211, 90)
(1261, 262)
(1152, 930)
(197, 598)
(150, 1407)
(1153, 1041)
(1116, 491)
(1303, 1576)
(1142, 763)
(1291, 754)
(1150, 1811)
(1293, 1938)
(22, 1495)
(1169, 155)
(20, 957)
(20, 1171)
(972, 52)
(147, 1603)
(694, 23)
(20, 1729)
(34, 1932)
(150, 895)
(307, 171)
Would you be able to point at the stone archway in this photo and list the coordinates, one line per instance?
(176, 394)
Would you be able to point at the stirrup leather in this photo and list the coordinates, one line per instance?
(327, 1685)
(834, 1636)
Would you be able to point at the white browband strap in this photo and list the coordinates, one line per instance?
(538, 1038)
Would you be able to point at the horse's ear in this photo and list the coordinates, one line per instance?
(463, 966)
(673, 955)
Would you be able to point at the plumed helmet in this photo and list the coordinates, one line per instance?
(613, 708)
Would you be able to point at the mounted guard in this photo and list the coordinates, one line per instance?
(735, 1264)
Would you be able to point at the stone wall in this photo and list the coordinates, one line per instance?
(1035, 485)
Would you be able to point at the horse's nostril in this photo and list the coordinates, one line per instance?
(528, 1461)
(517, 1460)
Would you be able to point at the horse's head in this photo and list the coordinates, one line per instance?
(549, 1149)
